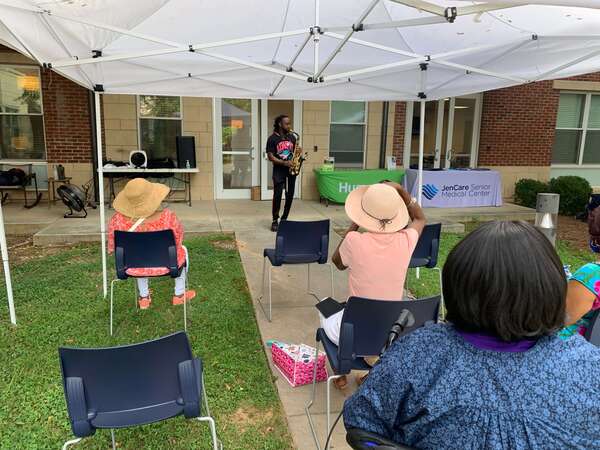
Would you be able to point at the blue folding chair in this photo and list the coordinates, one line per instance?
(592, 334)
(131, 385)
(297, 243)
(364, 331)
(363, 440)
(426, 255)
(148, 249)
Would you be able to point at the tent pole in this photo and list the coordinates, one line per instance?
(420, 172)
(316, 37)
(101, 190)
(9, 291)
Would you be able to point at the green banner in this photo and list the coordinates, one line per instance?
(336, 185)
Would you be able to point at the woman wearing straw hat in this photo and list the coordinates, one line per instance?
(377, 260)
(138, 208)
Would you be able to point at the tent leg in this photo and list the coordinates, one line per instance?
(421, 149)
(4, 250)
(101, 191)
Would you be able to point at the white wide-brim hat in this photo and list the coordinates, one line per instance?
(377, 208)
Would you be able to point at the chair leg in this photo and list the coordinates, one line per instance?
(312, 399)
(185, 290)
(67, 444)
(217, 444)
(112, 438)
(112, 285)
(262, 295)
(331, 272)
(442, 314)
(329, 380)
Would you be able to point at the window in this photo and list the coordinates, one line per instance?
(577, 139)
(347, 133)
(160, 123)
(21, 119)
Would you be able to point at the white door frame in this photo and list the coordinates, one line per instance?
(450, 132)
(220, 192)
(265, 192)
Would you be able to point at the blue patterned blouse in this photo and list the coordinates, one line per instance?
(433, 390)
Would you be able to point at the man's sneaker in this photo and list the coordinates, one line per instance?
(274, 226)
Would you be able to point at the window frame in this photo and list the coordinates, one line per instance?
(584, 129)
(365, 125)
(36, 161)
(139, 116)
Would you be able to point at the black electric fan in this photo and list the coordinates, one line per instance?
(75, 199)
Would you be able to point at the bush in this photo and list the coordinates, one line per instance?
(574, 194)
(526, 191)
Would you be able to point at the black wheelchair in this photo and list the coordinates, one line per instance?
(363, 440)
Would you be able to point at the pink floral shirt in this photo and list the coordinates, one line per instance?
(166, 221)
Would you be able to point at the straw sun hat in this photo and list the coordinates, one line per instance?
(140, 198)
(377, 208)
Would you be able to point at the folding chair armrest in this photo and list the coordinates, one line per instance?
(120, 263)
(77, 407)
(190, 379)
(363, 440)
(324, 249)
(435, 249)
(173, 266)
(346, 348)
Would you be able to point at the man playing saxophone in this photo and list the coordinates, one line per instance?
(280, 151)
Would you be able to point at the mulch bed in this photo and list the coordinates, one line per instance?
(574, 232)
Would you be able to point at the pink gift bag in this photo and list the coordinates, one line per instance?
(296, 363)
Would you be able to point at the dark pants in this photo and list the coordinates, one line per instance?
(279, 185)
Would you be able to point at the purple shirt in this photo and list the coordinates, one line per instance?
(485, 341)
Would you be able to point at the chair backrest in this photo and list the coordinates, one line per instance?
(145, 249)
(127, 379)
(303, 238)
(592, 334)
(373, 319)
(427, 249)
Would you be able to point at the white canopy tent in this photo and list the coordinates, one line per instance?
(302, 49)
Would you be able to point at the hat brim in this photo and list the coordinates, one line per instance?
(355, 212)
(157, 193)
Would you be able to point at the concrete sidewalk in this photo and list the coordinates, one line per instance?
(295, 320)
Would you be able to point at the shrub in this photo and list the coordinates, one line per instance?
(574, 193)
(526, 191)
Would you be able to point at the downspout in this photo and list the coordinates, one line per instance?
(94, 145)
(383, 141)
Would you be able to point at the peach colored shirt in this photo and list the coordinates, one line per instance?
(377, 263)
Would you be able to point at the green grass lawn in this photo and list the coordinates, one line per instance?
(58, 303)
(428, 282)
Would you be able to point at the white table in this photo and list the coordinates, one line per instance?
(127, 172)
(456, 188)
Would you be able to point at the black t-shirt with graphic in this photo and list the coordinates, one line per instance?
(282, 147)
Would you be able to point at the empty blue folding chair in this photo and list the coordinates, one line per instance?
(120, 387)
(148, 249)
(426, 255)
(364, 331)
(297, 243)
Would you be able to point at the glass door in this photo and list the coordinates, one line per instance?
(269, 109)
(451, 133)
(236, 138)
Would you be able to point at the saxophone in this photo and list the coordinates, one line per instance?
(298, 157)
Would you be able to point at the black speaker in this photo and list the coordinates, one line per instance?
(186, 152)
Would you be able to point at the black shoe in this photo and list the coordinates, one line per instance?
(274, 226)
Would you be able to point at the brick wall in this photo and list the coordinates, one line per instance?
(399, 127)
(66, 120)
(517, 124)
